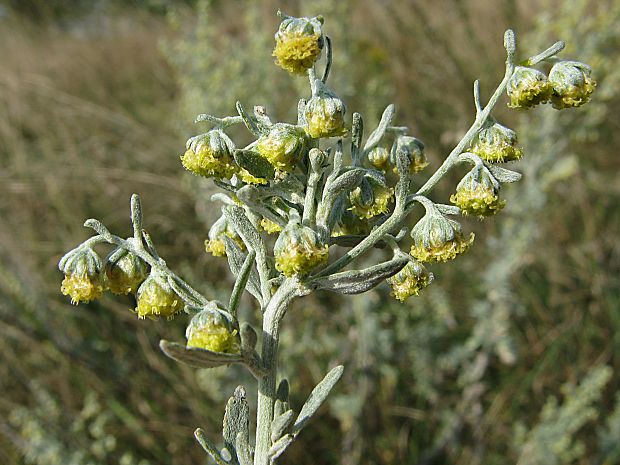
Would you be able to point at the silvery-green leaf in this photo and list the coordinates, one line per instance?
(280, 424)
(236, 418)
(197, 358)
(280, 446)
(448, 209)
(254, 163)
(358, 281)
(208, 446)
(236, 258)
(377, 134)
(243, 226)
(242, 446)
(316, 398)
(346, 181)
(502, 174)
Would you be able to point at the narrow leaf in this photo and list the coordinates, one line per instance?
(377, 134)
(280, 424)
(236, 419)
(208, 446)
(197, 358)
(316, 398)
(279, 447)
(256, 165)
(242, 446)
(359, 281)
(503, 175)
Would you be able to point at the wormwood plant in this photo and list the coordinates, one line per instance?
(289, 202)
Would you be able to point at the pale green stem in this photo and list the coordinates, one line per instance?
(240, 283)
(274, 312)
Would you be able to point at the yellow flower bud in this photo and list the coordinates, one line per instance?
(156, 298)
(269, 226)
(438, 239)
(124, 274)
(83, 280)
(410, 280)
(211, 156)
(298, 44)
(370, 199)
(528, 87)
(572, 84)
(496, 143)
(282, 146)
(215, 244)
(325, 114)
(413, 149)
(478, 194)
(298, 251)
(379, 158)
(211, 331)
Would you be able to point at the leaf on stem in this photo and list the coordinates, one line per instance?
(197, 358)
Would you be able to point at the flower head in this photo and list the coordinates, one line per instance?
(379, 158)
(215, 243)
(269, 226)
(157, 298)
(410, 280)
(298, 250)
(125, 271)
(210, 155)
(298, 43)
(437, 238)
(572, 84)
(209, 330)
(371, 198)
(528, 87)
(478, 194)
(83, 280)
(496, 143)
(282, 146)
(413, 149)
(325, 114)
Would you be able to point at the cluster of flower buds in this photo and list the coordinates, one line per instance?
(324, 113)
(209, 329)
(282, 146)
(496, 143)
(87, 277)
(210, 155)
(569, 85)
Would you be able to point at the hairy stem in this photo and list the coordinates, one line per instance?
(274, 312)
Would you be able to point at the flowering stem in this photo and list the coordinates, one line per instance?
(274, 312)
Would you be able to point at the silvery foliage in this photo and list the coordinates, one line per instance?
(316, 198)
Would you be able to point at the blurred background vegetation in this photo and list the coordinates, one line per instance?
(511, 356)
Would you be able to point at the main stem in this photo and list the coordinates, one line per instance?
(275, 310)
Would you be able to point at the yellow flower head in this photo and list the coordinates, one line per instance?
(572, 84)
(350, 224)
(210, 155)
(379, 158)
(410, 280)
(215, 244)
(282, 146)
(478, 194)
(437, 238)
(496, 143)
(125, 272)
(528, 87)
(371, 198)
(269, 226)
(211, 331)
(83, 280)
(298, 44)
(324, 114)
(156, 298)
(413, 149)
(298, 251)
